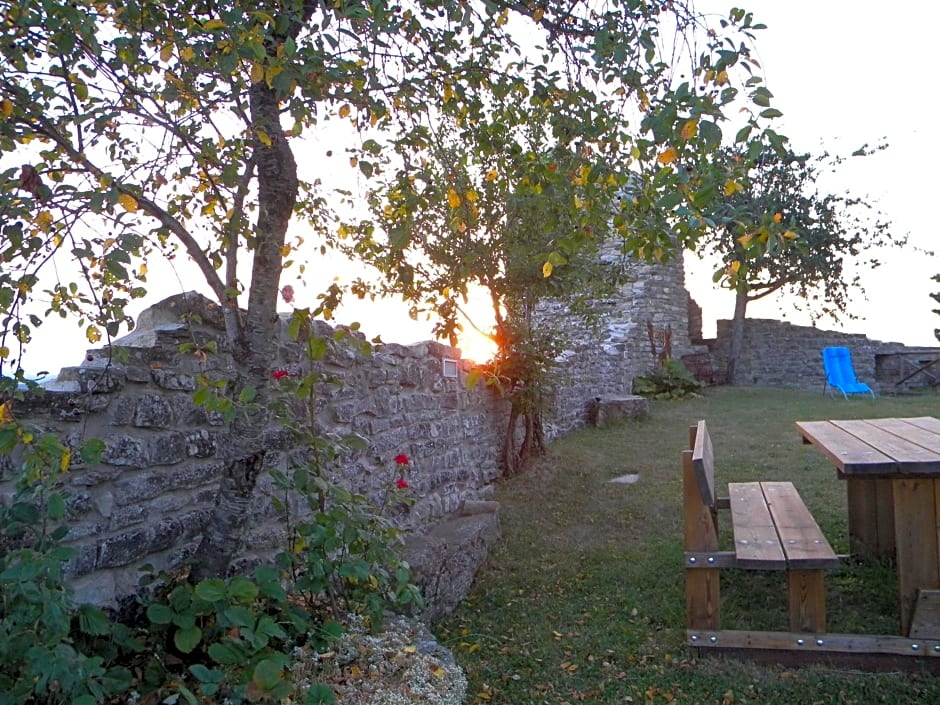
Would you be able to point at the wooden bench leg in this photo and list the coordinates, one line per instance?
(702, 599)
(807, 590)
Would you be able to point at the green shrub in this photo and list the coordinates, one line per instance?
(670, 381)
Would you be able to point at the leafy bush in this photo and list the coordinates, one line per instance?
(670, 381)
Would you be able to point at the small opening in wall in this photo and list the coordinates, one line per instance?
(449, 369)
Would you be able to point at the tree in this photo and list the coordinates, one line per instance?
(521, 219)
(776, 231)
(518, 195)
(143, 130)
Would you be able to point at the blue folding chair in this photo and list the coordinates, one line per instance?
(840, 374)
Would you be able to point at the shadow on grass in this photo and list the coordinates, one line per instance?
(583, 600)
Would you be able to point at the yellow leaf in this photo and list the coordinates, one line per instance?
(732, 187)
(6, 108)
(735, 266)
(93, 334)
(578, 202)
(453, 198)
(270, 72)
(491, 175)
(285, 251)
(187, 53)
(6, 411)
(166, 52)
(213, 24)
(355, 671)
(43, 220)
(128, 202)
(547, 270)
(436, 670)
(64, 461)
(411, 649)
(471, 195)
(4, 352)
(343, 232)
(722, 78)
(745, 240)
(344, 110)
(257, 72)
(142, 272)
(778, 217)
(538, 14)
(689, 129)
(789, 235)
(668, 156)
(263, 138)
(448, 92)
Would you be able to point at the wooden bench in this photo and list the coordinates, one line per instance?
(773, 530)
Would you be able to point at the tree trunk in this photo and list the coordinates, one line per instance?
(737, 336)
(533, 441)
(256, 348)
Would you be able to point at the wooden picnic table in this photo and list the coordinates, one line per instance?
(892, 472)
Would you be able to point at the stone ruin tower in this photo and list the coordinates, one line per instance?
(603, 361)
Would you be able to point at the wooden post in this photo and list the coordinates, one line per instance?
(918, 560)
(807, 597)
(702, 590)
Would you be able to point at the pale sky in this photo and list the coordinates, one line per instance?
(843, 73)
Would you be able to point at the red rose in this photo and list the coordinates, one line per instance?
(279, 374)
(401, 459)
(401, 483)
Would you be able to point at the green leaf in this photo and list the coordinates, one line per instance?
(187, 639)
(56, 506)
(92, 451)
(226, 654)
(247, 395)
(710, 134)
(211, 590)
(320, 694)
(205, 674)
(239, 616)
(771, 113)
(242, 589)
(267, 674)
(93, 621)
(160, 614)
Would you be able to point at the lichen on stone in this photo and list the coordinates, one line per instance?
(400, 665)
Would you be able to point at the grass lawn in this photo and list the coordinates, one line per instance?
(583, 600)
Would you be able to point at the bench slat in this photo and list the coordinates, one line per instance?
(803, 541)
(756, 542)
(703, 461)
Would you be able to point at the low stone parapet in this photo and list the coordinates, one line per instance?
(613, 409)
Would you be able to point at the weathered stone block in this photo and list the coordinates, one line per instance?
(446, 560)
(201, 444)
(610, 410)
(153, 411)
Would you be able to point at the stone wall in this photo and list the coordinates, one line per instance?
(149, 498)
(603, 360)
(779, 354)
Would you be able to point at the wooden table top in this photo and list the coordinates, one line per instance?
(891, 448)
